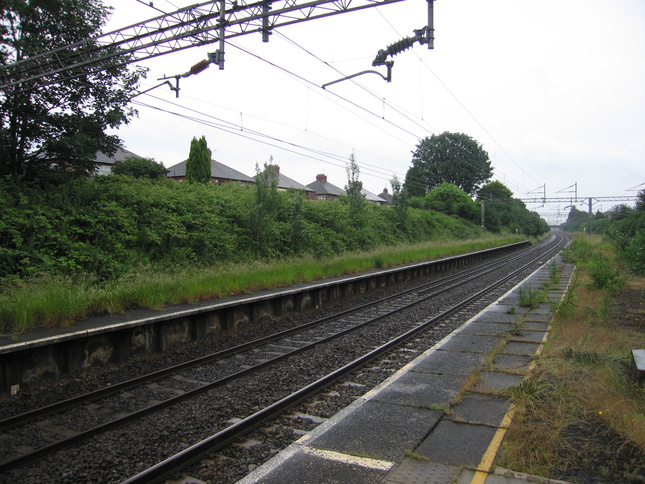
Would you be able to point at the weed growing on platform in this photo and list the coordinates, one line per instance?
(554, 274)
(440, 407)
(580, 417)
(531, 298)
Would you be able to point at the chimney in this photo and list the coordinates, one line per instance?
(321, 178)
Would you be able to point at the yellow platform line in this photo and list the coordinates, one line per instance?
(486, 462)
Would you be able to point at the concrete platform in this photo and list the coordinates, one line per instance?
(42, 354)
(394, 435)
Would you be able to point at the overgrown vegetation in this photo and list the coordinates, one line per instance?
(104, 245)
(623, 226)
(581, 416)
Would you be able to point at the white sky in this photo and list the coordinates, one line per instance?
(554, 91)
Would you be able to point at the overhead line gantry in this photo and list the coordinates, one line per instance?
(196, 25)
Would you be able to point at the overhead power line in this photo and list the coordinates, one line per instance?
(200, 24)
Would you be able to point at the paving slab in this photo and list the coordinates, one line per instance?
(476, 408)
(379, 430)
(542, 310)
(512, 299)
(535, 325)
(456, 443)
(415, 471)
(540, 318)
(418, 389)
(528, 336)
(497, 317)
(496, 382)
(512, 362)
(488, 329)
(520, 348)
(306, 467)
(502, 476)
(396, 416)
(503, 307)
(444, 362)
(470, 343)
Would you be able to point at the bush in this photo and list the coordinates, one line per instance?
(105, 228)
(140, 168)
(634, 253)
(603, 274)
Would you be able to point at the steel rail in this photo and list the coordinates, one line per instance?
(196, 452)
(32, 415)
(42, 452)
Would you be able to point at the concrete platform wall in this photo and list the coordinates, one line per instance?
(70, 353)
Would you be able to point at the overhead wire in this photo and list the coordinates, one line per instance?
(272, 121)
(397, 109)
(393, 106)
(462, 105)
(328, 64)
(258, 136)
(303, 79)
(371, 113)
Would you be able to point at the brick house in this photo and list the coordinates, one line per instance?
(323, 190)
(285, 183)
(220, 173)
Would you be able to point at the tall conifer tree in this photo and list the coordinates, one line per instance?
(198, 166)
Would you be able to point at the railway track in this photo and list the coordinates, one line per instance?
(239, 389)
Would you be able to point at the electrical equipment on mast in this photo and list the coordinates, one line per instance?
(424, 35)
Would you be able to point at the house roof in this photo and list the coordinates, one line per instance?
(285, 182)
(370, 197)
(325, 188)
(385, 195)
(119, 155)
(218, 170)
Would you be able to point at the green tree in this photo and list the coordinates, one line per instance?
(452, 200)
(140, 168)
(399, 202)
(503, 213)
(198, 166)
(354, 190)
(577, 221)
(297, 221)
(56, 131)
(448, 158)
(495, 191)
(264, 214)
(415, 185)
(496, 199)
(640, 201)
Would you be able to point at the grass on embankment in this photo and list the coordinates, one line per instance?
(581, 417)
(53, 302)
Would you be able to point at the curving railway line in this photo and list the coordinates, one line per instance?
(194, 416)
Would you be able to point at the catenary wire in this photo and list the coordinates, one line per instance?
(443, 84)
(231, 128)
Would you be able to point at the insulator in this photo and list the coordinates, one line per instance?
(199, 67)
(400, 46)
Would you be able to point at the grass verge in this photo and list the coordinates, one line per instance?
(581, 417)
(53, 302)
